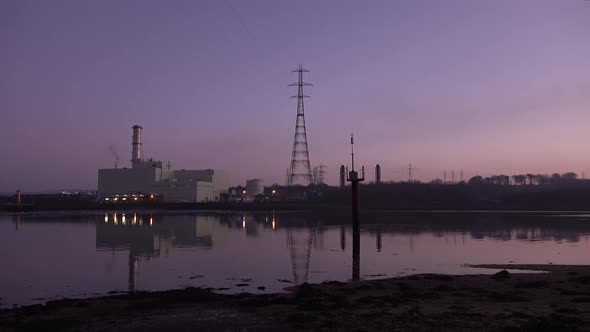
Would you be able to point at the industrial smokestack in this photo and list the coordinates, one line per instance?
(342, 177)
(136, 143)
(377, 173)
(18, 197)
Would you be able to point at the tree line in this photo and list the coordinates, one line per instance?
(525, 179)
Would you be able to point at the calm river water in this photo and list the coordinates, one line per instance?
(55, 256)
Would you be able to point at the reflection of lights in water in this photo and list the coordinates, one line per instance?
(115, 219)
(151, 221)
(106, 217)
(134, 218)
(140, 221)
(244, 223)
(274, 224)
(123, 219)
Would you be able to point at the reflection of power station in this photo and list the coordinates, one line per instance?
(16, 219)
(146, 236)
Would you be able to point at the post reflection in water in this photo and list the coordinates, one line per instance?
(379, 239)
(342, 237)
(356, 254)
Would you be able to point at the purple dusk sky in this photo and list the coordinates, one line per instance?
(485, 86)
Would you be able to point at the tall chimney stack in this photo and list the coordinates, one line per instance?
(18, 197)
(377, 173)
(136, 143)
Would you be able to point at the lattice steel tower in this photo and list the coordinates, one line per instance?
(300, 168)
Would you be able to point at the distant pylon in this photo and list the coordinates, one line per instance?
(410, 169)
(300, 167)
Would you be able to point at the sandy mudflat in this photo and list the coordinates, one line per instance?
(554, 301)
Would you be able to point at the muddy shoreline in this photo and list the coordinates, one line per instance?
(557, 300)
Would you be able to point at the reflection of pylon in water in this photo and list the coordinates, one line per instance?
(300, 250)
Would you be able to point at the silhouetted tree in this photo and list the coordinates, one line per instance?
(542, 179)
(519, 179)
(475, 180)
(569, 176)
(531, 178)
(437, 181)
(555, 178)
(504, 180)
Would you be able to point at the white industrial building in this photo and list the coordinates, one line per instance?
(148, 176)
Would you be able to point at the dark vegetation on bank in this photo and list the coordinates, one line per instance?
(563, 196)
(504, 301)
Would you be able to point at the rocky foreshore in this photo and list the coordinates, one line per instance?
(555, 301)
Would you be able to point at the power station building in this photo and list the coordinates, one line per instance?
(149, 176)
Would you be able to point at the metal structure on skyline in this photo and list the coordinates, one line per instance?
(300, 168)
(319, 175)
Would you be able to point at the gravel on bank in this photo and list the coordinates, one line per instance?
(554, 301)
